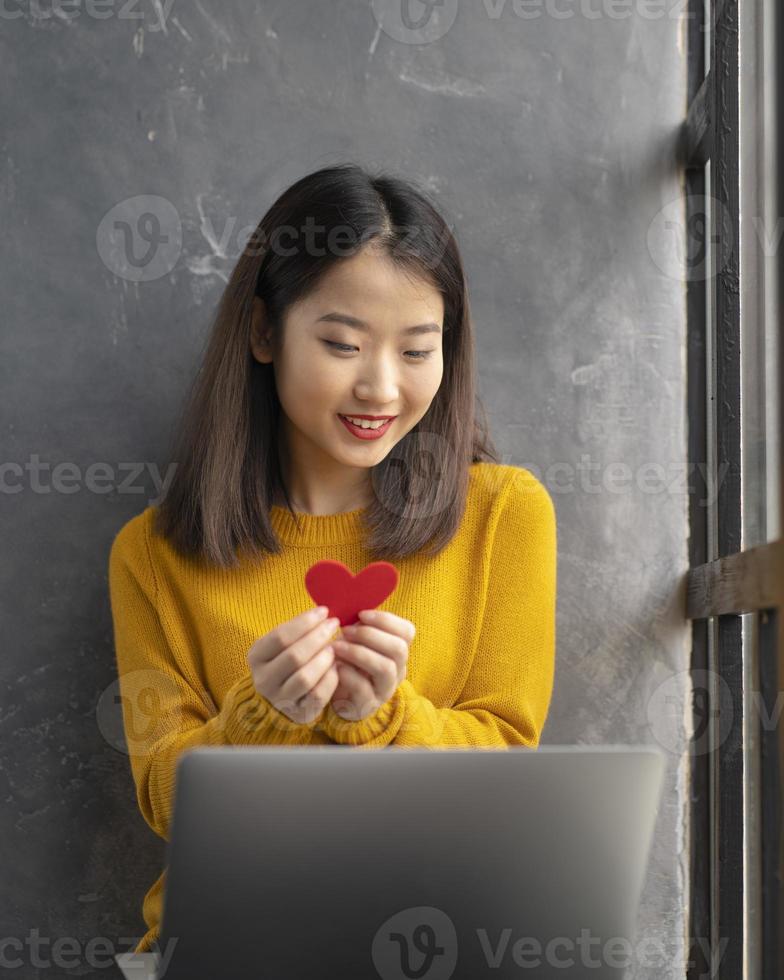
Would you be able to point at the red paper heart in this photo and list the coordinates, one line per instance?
(331, 584)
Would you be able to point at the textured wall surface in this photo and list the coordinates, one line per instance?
(549, 143)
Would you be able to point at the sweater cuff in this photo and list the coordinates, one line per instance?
(377, 729)
(250, 719)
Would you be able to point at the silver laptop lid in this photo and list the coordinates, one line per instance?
(400, 863)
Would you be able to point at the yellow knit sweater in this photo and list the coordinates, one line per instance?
(480, 669)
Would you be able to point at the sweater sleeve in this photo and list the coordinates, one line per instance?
(165, 710)
(507, 694)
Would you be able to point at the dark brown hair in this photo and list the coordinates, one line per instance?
(228, 471)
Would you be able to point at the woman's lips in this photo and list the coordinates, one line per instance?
(360, 433)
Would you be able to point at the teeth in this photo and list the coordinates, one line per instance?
(366, 423)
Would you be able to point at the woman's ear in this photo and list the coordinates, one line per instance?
(259, 333)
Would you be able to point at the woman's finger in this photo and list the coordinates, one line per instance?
(381, 669)
(391, 645)
(390, 622)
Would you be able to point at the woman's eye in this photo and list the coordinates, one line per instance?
(418, 355)
(341, 347)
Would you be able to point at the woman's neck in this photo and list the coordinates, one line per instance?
(323, 506)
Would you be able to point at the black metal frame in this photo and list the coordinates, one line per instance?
(724, 585)
(695, 152)
(770, 802)
(725, 191)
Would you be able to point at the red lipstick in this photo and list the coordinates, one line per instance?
(361, 433)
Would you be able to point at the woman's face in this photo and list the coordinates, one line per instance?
(329, 368)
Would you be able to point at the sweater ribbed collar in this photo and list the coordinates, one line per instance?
(305, 530)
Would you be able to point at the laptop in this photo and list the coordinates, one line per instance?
(395, 863)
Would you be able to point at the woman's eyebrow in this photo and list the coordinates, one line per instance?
(357, 324)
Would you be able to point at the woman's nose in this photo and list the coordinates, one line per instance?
(377, 383)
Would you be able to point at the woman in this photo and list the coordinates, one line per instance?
(334, 416)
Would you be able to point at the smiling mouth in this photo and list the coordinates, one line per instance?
(368, 430)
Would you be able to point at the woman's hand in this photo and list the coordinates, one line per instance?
(293, 669)
(371, 662)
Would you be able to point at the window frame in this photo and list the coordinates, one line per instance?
(726, 582)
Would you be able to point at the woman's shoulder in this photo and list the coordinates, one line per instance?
(506, 486)
(517, 507)
(132, 539)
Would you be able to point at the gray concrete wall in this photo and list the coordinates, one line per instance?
(548, 142)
